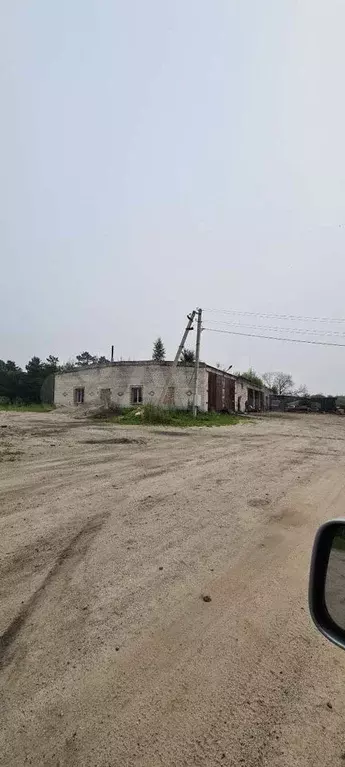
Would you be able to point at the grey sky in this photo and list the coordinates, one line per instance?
(161, 155)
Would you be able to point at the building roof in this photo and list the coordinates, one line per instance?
(164, 363)
(123, 363)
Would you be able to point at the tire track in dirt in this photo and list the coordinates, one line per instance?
(69, 556)
(120, 662)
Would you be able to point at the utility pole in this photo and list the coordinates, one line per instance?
(196, 368)
(188, 328)
(190, 318)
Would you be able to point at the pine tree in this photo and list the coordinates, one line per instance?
(158, 354)
(188, 357)
(84, 359)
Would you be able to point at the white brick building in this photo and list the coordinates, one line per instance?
(134, 383)
(249, 396)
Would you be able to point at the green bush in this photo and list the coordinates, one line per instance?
(156, 414)
(147, 415)
(106, 412)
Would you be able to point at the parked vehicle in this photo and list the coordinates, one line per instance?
(298, 407)
(327, 581)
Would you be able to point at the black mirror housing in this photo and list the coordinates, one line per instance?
(330, 538)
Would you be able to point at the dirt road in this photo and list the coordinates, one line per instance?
(109, 654)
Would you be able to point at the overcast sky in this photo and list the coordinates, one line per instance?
(160, 155)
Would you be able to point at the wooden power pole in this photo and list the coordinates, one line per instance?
(188, 328)
(190, 318)
(196, 368)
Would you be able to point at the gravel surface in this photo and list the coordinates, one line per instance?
(154, 594)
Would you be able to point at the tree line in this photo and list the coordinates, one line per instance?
(35, 383)
(17, 385)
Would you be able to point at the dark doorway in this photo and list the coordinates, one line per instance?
(229, 395)
(221, 392)
(215, 392)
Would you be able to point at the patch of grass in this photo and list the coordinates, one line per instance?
(152, 415)
(32, 407)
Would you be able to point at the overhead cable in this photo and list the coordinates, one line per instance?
(274, 338)
(277, 316)
(314, 331)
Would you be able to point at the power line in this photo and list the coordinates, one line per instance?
(277, 316)
(274, 338)
(279, 329)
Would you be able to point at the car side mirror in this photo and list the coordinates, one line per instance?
(327, 581)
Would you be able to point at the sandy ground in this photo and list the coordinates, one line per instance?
(109, 655)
